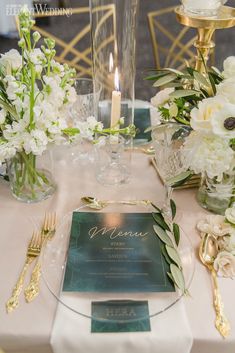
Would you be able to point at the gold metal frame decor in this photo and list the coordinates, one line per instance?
(70, 51)
(206, 27)
(176, 49)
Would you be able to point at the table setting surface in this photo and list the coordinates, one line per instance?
(32, 327)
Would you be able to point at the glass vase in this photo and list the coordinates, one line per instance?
(113, 29)
(217, 196)
(31, 177)
(202, 8)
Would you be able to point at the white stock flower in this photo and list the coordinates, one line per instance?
(162, 97)
(36, 56)
(6, 152)
(3, 115)
(223, 122)
(229, 67)
(208, 154)
(54, 93)
(12, 59)
(214, 225)
(36, 142)
(227, 89)
(230, 215)
(224, 264)
(201, 117)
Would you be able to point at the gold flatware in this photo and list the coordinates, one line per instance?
(47, 233)
(33, 252)
(207, 253)
(97, 204)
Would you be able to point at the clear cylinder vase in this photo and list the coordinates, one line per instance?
(31, 176)
(113, 29)
(217, 196)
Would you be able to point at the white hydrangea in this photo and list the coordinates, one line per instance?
(210, 154)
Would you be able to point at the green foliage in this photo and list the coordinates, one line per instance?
(169, 235)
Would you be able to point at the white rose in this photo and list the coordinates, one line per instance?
(224, 264)
(201, 116)
(223, 122)
(230, 215)
(162, 97)
(214, 225)
(229, 67)
(11, 59)
(227, 89)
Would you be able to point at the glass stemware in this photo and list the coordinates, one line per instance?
(168, 140)
(86, 106)
(111, 169)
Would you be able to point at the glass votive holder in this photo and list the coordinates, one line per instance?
(202, 8)
(111, 168)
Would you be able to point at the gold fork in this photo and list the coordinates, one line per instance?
(33, 252)
(47, 233)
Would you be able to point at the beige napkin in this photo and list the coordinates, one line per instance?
(170, 332)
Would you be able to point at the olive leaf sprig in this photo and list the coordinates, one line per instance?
(169, 235)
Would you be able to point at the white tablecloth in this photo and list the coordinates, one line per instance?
(29, 328)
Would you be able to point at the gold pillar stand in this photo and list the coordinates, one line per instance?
(206, 27)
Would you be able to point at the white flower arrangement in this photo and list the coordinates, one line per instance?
(223, 230)
(206, 102)
(36, 96)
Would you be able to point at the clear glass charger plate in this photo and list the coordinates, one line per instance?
(54, 266)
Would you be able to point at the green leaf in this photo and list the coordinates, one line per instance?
(201, 79)
(164, 80)
(71, 131)
(184, 93)
(171, 277)
(173, 208)
(173, 254)
(179, 179)
(160, 221)
(166, 256)
(177, 72)
(212, 83)
(176, 232)
(156, 208)
(173, 110)
(178, 277)
(162, 235)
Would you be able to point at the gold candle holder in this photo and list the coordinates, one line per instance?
(206, 27)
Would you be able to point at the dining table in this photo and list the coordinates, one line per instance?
(31, 327)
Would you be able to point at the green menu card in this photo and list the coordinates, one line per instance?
(115, 252)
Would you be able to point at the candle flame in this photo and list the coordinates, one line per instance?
(116, 80)
(111, 62)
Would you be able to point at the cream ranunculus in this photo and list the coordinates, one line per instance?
(229, 67)
(12, 59)
(230, 215)
(227, 89)
(214, 225)
(224, 264)
(223, 122)
(162, 97)
(201, 116)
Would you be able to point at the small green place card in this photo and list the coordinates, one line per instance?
(120, 316)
